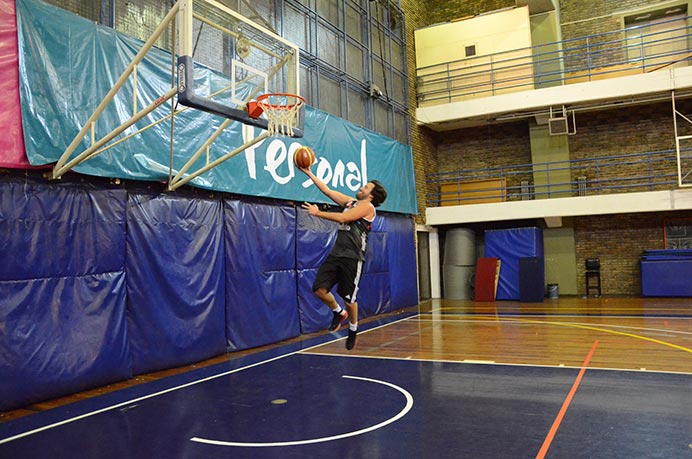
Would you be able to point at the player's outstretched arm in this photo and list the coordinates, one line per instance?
(339, 198)
(362, 210)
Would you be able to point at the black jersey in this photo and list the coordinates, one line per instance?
(352, 237)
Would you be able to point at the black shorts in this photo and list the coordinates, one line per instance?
(342, 271)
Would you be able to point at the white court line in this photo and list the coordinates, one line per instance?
(500, 364)
(156, 394)
(359, 332)
(402, 413)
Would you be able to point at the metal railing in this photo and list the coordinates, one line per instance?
(649, 171)
(609, 54)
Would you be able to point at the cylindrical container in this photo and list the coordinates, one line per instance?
(553, 290)
(460, 247)
(458, 282)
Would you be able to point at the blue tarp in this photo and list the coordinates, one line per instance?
(67, 64)
(315, 238)
(261, 299)
(62, 290)
(175, 280)
(401, 250)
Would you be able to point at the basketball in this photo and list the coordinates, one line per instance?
(304, 157)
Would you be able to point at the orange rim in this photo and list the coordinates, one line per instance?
(262, 101)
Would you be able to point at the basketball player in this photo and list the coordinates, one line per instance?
(344, 263)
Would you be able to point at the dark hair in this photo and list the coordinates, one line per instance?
(379, 194)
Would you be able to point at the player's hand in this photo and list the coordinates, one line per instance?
(311, 208)
(305, 170)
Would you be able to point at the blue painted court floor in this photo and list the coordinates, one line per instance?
(288, 403)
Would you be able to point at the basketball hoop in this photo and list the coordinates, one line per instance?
(282, 111)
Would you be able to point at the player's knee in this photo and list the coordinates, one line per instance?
(321, 293)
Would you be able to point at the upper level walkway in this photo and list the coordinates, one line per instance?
(557, 81)
(629, 66)
(641, 182)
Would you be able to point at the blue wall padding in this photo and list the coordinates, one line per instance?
(175, 280)
(97, 284)
(509, 245)
(61, 230)
(315, 238)
(261, 299)
(62, 290)
(61, 335)
(667, 278)
(374, 294)
(401, 248)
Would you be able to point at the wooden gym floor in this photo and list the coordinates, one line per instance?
(569, 377)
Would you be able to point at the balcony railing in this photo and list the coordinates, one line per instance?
(634, 50)
(649, 171)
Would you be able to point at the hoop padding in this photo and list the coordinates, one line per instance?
(282, 112)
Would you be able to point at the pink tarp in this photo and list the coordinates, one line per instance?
(12, 140)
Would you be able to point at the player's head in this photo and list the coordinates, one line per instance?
(378, 193)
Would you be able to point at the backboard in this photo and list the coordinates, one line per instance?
(227, 60)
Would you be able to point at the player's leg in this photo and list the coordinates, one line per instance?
(352, 325)
(349, 280)
(327, 276)
(339, 315)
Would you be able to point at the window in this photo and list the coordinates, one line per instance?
(657, 39)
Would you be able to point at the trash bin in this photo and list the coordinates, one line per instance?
(553, 290)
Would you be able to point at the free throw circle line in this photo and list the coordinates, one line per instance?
(402, 413)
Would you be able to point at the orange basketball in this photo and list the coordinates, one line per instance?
(304, 157)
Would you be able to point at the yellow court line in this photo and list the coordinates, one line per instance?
(586, 327)
(608, 309)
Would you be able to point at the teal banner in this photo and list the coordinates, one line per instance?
(67, 64)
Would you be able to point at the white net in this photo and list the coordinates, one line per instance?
(282, 112)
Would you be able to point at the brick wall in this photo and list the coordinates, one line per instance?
(422, 139)
(578, 21)
(486, 147)
(619, 240)
(637, 129)
(446, 10)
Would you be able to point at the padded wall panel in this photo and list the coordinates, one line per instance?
(59, 230)
(531, 280)
(261, 297)
(62, 290)
(374, 295)
(667, 278)
(315, 238)
(403, 267)
(60, 336)
(509, 246)
(175, 280)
